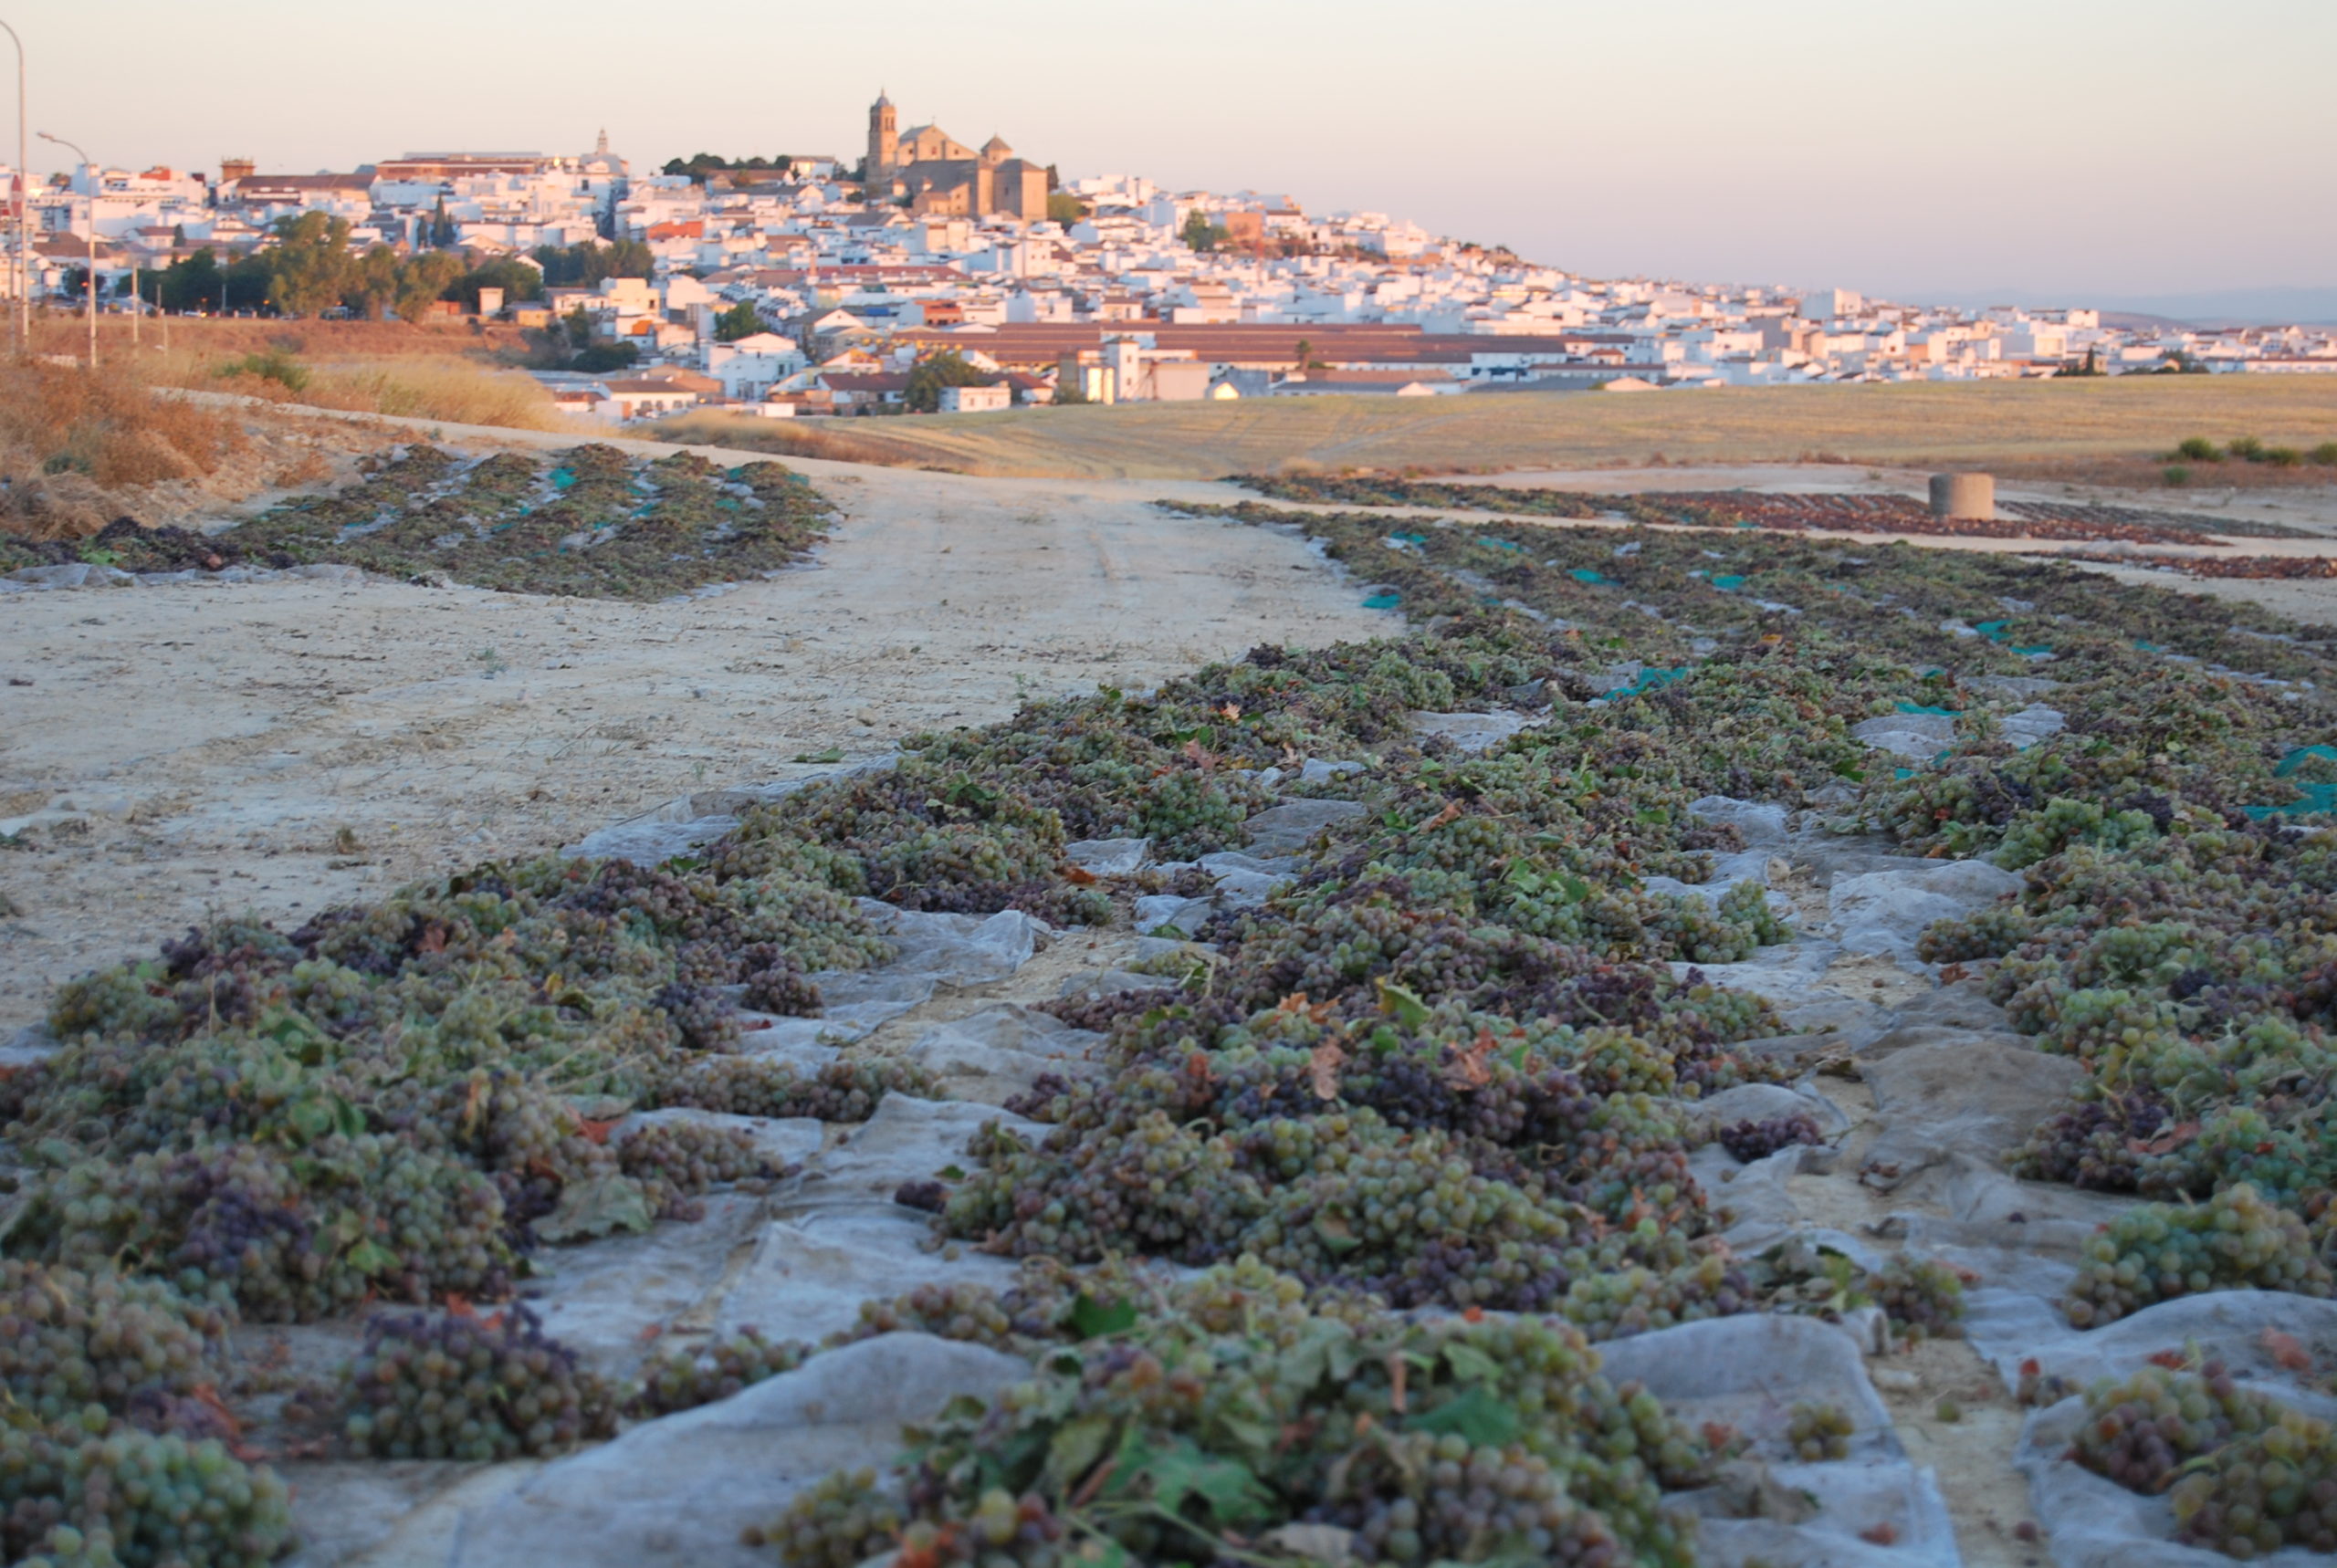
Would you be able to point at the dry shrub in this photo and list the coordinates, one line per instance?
(69, 439)
(837, 440)
(444, 389)
(312, 467)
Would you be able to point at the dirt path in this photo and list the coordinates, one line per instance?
(283, 746)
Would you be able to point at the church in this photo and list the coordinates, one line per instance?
(942, 177)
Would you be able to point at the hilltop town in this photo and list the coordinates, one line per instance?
(795, 286)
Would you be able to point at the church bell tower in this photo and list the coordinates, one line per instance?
(883, 140)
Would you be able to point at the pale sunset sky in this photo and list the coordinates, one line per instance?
(1951, 150)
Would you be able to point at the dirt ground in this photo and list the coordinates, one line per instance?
(280, 747)
(2120, 426)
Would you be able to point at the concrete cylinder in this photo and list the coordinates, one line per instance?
(1964, 496)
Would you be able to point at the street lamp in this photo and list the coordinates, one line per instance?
(92, 169)
(24, 209)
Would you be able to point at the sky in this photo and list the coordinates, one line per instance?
(2043, 149)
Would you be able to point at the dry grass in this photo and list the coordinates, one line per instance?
(2126, 421)
(838, 440)
(78, 451)
(460, 392)
(450, 371)
(73, 444)
(209, 340)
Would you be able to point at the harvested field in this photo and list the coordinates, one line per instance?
(1848, 513)
(443, 725)
(2127, 421)
(1670, 1047)
(591, 522)
(2253, 568)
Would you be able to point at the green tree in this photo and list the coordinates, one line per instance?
(189, 283)
(602, 358)
(931, 374)
(246, 282)
(422, 282)
(1199, 233)
(587, 264)
(309, 268)
(741, 321)
(371, 282)
(1064, 208)
(519, 280)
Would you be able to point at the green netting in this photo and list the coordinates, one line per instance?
(2302, 755)
(2318, 798)
(1388, 600)
(1650, 679)
(1729, 583)
(1584, 574)
(562, 478)
(1925, 708)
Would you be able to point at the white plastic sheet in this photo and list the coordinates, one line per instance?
(683, 1488)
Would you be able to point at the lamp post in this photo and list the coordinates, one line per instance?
(92, 169)
(24, 210)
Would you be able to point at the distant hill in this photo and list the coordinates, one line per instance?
(2229, 307)
(2142, 322)
(2283, 306)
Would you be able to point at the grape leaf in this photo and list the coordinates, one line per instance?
(370, 1259)
(1234, 1495)
(1406, 1005)
(1477, 1414)
(1092, 1319)
(1470, 1364)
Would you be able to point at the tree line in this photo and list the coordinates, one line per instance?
(313, 268)
(703, 168)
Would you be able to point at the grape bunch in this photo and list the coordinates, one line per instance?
(2158, 1251)
(777, 984)
(841, 1521)
(1751, 1140)
(678, 1161)
(287, 1241)
(2263, 1490)
(2247, 1473)
(1498, 1439)
(1616, 1303)
(2142, 1433)
(70, 1340)
(1922, 1298)
(684, 1379)
(466, 1387)
(1816, 1431)
(80, 1491)
(759, 1086)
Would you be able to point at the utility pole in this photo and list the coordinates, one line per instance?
(92, 170)
(23, 261)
